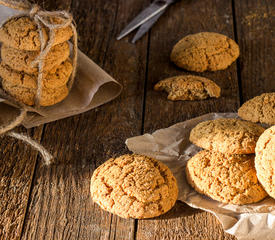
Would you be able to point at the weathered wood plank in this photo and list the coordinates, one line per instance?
(184, 18)
(60, 204)
(255, 22)
(182, 223)
(17, 163)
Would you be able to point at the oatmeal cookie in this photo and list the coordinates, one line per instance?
(188, 87)
(259, 109)
(22, 60)
(22, 33)
(231, 136)
(225, 178)
(265, 160)
(205, 51)
(134, 186)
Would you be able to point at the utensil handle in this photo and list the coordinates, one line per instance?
(162, 2)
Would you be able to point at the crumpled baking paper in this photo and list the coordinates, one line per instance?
(172, 147)
(92, 88)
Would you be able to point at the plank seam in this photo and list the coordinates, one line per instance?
(238, 60)
(145, 83)
(111, 34)
(32, 185)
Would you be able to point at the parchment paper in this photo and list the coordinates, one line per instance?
(171, 146)
(92, 88)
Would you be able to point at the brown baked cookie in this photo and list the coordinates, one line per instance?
(22, 33)
(134, 186)
(225, 135)
(265, 160)
(205, 51)
(49, 96)
(53, 79)
(188, 87)
(259, 109)
(225, 178)
(22, 60)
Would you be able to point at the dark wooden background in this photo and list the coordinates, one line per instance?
(38, 202)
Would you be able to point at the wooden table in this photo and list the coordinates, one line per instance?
(38, 202)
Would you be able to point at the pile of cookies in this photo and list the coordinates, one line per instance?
(205, 51)
(262, 109)
(225, 169)
(20, 48)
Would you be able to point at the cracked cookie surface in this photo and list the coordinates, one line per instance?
(205, 51)
(225, 135)
(259, 109)
(22, 60)
(22, 33)
(188, 87)
(265, 160)
(225, 178)
(49, 96)
(134, 186)
(52, 79)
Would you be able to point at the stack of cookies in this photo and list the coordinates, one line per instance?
(225, 170)
(20, 47)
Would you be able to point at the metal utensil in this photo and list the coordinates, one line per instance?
(146, 19)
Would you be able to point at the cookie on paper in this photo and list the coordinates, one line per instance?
(227, 178)
(225, 135)
(259, 109)
(265, 160)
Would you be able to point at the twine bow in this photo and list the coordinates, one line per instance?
(42, 19)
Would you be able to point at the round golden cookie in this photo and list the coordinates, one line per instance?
(188, 87)
(265, 160)
(22, 60)
(22, 33)
(225, 135)
(225, 178)
(134, 186)
(49, 96)
(205, 51)
(52, 79)
(259, 109)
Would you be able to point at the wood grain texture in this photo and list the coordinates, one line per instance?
(54, 202)
(17, 164)
(182, 223)
(186, 17)
(183, 18)
(255, 21)
(60, 204)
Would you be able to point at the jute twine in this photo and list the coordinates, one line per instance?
(42, 20)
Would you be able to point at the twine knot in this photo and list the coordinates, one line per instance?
(35, 9)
